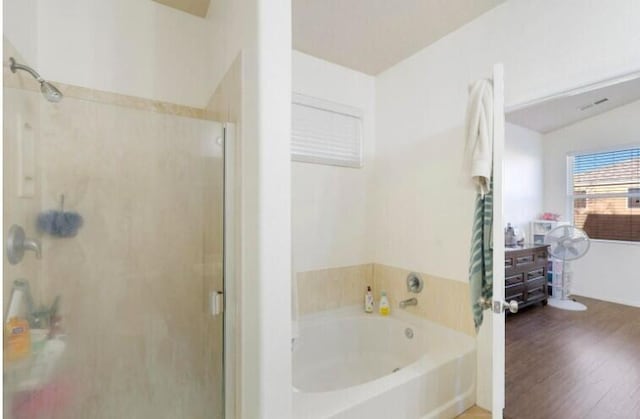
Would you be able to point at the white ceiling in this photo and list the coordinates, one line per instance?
(556, 113)
(373, 35)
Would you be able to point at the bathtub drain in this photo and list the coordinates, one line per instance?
(408, 332)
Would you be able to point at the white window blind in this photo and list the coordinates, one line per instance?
(605, 193)
(325, 132)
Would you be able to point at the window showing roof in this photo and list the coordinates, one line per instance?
(605, 193)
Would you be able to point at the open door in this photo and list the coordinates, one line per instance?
(499, 305)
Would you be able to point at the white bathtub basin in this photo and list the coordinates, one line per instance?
(348, 364)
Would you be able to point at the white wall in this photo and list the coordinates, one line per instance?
(20, 27)
(138, 48)
(331, 205)
(144, 49)
(610, 270)
(523, 179)
(424, 205)
(260, 31)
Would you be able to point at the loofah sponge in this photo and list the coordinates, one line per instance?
(60, 223)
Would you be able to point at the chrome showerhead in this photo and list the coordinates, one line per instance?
(49, 91)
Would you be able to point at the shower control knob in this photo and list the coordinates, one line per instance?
(414, 283)
(18, 243)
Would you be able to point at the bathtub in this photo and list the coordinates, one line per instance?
(351, 365)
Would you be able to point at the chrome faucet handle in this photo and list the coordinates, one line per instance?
(17, 243)
(414, 283)
(33, 245)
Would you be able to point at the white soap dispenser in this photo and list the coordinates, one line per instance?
(368, 301)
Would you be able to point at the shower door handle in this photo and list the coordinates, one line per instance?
(216, 301)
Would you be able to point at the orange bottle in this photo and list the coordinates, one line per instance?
(18, 339)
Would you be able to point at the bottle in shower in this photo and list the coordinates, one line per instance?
(368, 301)
(384, 304)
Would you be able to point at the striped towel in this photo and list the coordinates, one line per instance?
(479, 150)
(481, 263)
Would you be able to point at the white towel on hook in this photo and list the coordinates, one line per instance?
(479, 144)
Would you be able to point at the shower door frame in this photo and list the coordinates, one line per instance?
(230, 282)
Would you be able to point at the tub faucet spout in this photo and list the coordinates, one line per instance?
(409, 302)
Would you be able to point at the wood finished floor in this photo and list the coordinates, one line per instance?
(573, 365)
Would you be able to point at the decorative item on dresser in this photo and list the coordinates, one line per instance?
(540, 228)
(525, 273)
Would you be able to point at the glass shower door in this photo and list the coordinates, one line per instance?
(108, 299)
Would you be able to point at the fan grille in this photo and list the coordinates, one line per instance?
(567, 242)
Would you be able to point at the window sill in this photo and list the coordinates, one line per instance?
(627, 243)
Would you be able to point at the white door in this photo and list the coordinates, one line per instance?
(498, 341)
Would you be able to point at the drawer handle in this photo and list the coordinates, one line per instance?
(513, 279)
(524, 259)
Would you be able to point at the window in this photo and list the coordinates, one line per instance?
(325, 132)
(578, 202)
(634, 198)
(604, 193)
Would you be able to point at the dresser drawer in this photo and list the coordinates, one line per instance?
(514, 292)
(536, 289)
(508, 262)
(536, 273)
(524, 260)
(513, 279)
(536, 283)
(537, 294)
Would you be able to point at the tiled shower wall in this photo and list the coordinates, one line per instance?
(327, 289)
(442, 300)
(134, 281)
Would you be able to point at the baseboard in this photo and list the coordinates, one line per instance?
(610, 300)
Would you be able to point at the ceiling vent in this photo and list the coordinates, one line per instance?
(592, 104)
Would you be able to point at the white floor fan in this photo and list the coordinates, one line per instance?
(566, 243)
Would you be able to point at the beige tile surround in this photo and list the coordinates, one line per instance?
(444, 301)
(327, 289)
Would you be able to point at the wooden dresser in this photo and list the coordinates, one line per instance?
(525, 274)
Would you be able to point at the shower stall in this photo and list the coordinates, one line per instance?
(114, 212)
